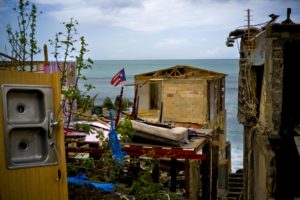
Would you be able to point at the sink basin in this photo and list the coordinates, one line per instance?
(25, 106)
(27, 111)
(27, 145)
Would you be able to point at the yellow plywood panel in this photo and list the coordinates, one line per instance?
(33, 183)
(185, 101)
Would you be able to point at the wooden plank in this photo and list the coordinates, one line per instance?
(33, 183)
(215, 164)
(206, 172)
(194, 179)
(173, 175)
(194, 144)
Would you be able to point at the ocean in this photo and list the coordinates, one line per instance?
(103, 70)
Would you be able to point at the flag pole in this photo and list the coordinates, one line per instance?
(120, 108)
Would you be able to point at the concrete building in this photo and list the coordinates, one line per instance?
(269, 109)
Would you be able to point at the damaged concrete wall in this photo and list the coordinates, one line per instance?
(269, 153)
(271, 98)
(261, 165)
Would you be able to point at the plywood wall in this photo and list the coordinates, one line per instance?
(185, 101)
(33, 183)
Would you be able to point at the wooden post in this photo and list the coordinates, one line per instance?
(45, 54)
(206, 172)
(161, 111)
(120, 108)
(187, 177)
(134, 169)
(134, 106)
(137, 107)
(173, 174)
(155, 173)
(214, 176)
(194, 179)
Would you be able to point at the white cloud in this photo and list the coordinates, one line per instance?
(90, 15)
(212, 52)
(148, 15)
(160, 15)
(59, 2)
(141, 29)
(171, 42)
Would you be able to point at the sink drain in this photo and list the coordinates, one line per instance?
(23, 146)
(20, 108)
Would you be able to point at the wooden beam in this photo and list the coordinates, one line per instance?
(215, 164)
(206, 172)
(194, 179)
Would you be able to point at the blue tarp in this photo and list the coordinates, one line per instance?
(114, 144)
(115, 147)
(82, 179)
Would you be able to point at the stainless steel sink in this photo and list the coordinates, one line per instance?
(28, 111)
(28, 145)
(25, 106)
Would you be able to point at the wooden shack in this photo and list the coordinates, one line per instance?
(182, 95)
(195, 98)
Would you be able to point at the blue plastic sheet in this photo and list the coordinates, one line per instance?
(82, 179)
(114, 144)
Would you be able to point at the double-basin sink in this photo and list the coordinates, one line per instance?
(28, 112)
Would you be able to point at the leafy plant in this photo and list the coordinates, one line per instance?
(81, 165)
(107, 103)
(71, 93)
(23, 43)
(144, 188)
(126, 103)
(65, 42)
(83, 127)
(125, 129)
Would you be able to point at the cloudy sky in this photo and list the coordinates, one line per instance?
(151, 29)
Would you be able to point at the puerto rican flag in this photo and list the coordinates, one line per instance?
(118, 78)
